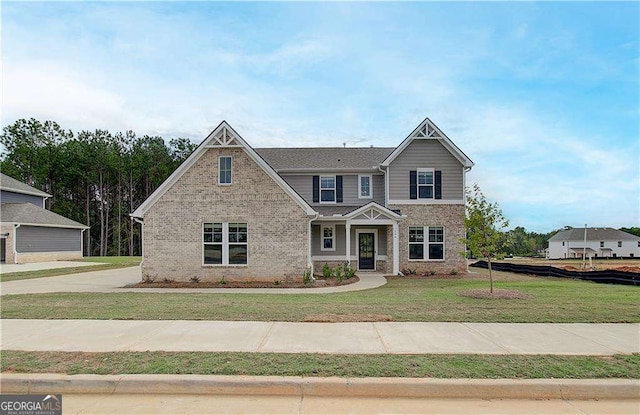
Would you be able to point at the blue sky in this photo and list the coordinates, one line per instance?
(543, 97)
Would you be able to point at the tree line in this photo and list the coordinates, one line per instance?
(98, 178)
(94, 177)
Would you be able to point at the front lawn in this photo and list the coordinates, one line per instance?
(402, 299)
(106, 262)
(307, 364)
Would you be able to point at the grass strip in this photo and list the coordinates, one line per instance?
(106, 263)
(321, 365)
(548, 300)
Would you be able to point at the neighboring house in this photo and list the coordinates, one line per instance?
(29, 232)
(237, 212)
(601, 243)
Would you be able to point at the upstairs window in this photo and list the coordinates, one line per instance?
(364, 187)
(619, 244)
(327, 189)
(601, 244)
(224, 170)
(425, 183)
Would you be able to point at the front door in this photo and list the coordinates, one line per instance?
(366, 254)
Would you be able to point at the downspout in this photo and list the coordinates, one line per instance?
(82, 242)
(386, 186)
(309, 253)
(15, 238)
(141, 222)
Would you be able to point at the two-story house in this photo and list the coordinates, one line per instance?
(593, 242)
(234, 211)
(31, 233)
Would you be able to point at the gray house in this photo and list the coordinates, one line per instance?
(29, 232)
(237, 212)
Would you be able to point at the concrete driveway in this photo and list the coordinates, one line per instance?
(93, 281)
(38, 266)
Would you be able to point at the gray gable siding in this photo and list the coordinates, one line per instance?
(303, 184)
(43, 239)
(12, 197)
(426, 154)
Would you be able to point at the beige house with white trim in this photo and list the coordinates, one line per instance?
(234, 211)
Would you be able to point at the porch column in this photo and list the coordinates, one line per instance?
(347, 226)
(396, 249)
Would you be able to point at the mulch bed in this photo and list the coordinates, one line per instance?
(320, 282)
(497, 294)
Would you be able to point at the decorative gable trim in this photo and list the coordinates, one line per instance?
(427, 130)
(223, 136)
(374, 211)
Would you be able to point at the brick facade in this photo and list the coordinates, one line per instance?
(451, 217)
(276, 224)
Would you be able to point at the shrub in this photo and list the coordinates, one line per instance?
(432, 272)
(194, 280)
(348, 271)
(326, 270)
(168, 280)
(222, 281)
(453, 272)
(148, 279)
(277, 282)
(338, 273)
(306, 277)
(409, 271)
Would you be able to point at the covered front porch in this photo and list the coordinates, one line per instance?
(366, 238)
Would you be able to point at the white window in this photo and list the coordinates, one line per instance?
(365, 190)
(224, 170)
(328, 238)
(225, 243)
(429, 248)
(601, 244)
(425, 183)
(327, 189)
(619, 244)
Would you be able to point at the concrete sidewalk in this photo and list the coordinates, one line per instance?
(338, 338)
(111, 281)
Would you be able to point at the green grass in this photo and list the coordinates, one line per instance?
(108, 262)
(554, 300)
(281, 364)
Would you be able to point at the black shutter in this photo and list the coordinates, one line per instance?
(316, 189)
(339, 189)
(438, 180)
(413, 184)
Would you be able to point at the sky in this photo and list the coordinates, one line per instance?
(543, 97)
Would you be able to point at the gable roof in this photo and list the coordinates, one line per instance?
(427, 130)
(29, 214)
(12, 185)
(325, 158)
(222, 136)
(594, 234)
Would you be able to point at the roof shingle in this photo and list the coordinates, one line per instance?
(13, 185)
(594, 234)
(31, 214)
(324, 158)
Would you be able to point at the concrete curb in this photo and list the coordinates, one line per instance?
(573, 389)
